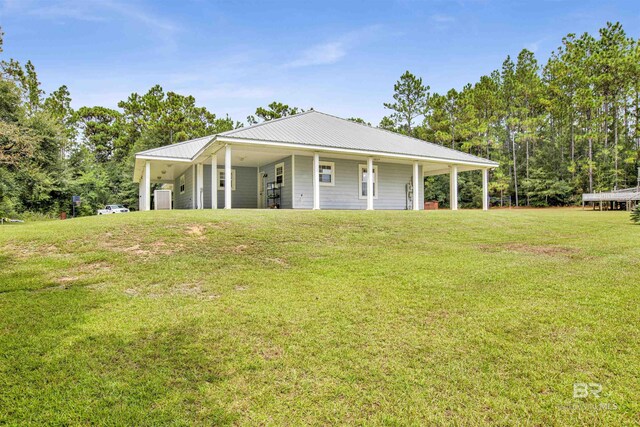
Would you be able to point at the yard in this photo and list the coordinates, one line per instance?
(292, 318)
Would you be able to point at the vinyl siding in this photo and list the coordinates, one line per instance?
(184, 200)
(285, 192)
(345, 193)
(244, 196)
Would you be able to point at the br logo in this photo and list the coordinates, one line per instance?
(583, 390)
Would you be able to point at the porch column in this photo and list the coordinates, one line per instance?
(485, 190)
(227, 177)
(141, 193)
(416, 188)
(370, 184)
(453, 187)
(214, 181)
(199, 186)
(316, 181)
(147, 186)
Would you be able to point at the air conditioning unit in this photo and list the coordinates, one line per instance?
(162, 200)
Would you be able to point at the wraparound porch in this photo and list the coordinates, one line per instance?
(308, 179)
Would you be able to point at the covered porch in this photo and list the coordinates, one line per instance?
(304, 178)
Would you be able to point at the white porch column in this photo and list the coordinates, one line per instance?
(453, 188)
(485, 189)
(416, 188)
(199, 186)
(147, 186)
(141, 193)
(370, 184)
(227, 177)
(316, 181)
(214, 181)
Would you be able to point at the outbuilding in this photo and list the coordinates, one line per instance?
(310, 160)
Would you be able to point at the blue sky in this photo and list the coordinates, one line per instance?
(340, 57)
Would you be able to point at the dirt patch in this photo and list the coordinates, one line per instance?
(240, 249)
(83, 271)
(196, 230)
(524, 248)
(219, 225)
(135, 249)
(29, 250)
(271, 353)
(241, 288)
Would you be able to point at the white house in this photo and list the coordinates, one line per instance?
(310, 160)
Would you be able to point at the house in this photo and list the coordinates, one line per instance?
(310, 160)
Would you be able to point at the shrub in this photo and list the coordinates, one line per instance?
(635, 215)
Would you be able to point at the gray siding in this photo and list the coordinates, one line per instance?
(285, 192)
(245, 194)
(184, 200)
(345, 193)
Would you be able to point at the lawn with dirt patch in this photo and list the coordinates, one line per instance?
(292, 318)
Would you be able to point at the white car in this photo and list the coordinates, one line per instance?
(112, 209)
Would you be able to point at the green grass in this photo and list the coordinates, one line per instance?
(292, 318)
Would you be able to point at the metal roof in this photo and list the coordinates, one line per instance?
(613, 196)
(313, 128)
(180, 150)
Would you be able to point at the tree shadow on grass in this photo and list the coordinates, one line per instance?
(54, 370)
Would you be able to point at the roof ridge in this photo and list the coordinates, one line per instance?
(266, 122)
(175, 144)
(402, 135)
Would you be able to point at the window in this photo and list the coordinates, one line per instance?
(280, 174)
(327, 173)
(221, 180)
(363, 181)
(182, 184)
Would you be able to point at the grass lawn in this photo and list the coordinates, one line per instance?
(292, 318)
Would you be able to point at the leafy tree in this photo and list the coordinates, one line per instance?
(275, 110)
(410, 101)
(387, 123)
(359, 120)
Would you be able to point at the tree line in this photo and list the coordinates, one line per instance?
(558, 130)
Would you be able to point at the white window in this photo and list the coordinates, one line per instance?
(327, 173)
(280, 174)
(363, 181)
(221, 180)
(182, 184)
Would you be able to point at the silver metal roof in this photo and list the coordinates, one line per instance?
(180, 150)
(313, 128)
(613, 196)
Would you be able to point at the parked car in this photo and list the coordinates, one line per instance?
(112, 209)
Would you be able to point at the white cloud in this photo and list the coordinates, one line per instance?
(330, 52)
(325, 53)
(534, 46)
(96, 11)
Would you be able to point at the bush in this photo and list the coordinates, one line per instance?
(635, 215)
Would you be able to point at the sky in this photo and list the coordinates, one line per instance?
(339, 57)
